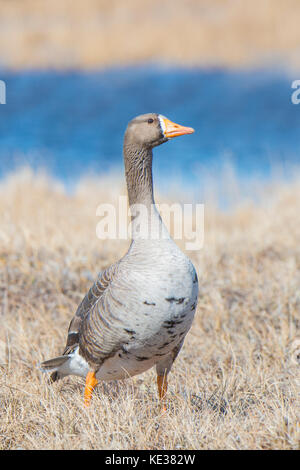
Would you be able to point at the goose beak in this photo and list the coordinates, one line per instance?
(171, 129)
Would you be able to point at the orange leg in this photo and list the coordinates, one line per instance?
(90, 384)
(162, 386)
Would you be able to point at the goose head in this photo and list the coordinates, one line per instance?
(152, 129)
(142, 134)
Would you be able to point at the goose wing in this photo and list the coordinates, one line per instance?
(89, 302)
(105, 328)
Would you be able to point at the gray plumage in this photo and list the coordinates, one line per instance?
(139, 310)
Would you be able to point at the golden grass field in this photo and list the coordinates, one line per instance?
(235, 384)
(100, 33)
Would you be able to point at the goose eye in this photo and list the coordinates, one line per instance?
(150, 120)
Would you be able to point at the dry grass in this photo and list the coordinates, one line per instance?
(235, 384)
(92, 33)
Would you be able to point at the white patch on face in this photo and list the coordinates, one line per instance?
(162, 123)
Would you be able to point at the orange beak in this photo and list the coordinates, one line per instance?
(171, 129)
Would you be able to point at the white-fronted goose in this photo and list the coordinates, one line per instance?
(139, 310)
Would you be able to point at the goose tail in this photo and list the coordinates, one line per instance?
(54, 365)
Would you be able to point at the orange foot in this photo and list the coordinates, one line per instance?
(162, 386)
(90, 384)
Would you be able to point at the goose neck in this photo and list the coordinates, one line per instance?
(146, 221)
(138, 170)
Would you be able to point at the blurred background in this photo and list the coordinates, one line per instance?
(77, 72)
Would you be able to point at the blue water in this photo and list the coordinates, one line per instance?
(73, 122)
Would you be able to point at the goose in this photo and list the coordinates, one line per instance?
(137, 313)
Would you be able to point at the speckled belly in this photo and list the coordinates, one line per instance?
(153, 345)
(116, 368)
